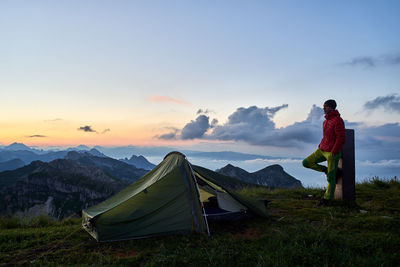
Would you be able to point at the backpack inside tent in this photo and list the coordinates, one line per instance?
(175, 197)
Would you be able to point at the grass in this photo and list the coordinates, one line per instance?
(299, 231)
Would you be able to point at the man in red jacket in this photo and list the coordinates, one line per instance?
(330, 148)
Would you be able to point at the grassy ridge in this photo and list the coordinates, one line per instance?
(300, 231)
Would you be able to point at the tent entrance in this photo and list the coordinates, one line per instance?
(218, 204)
(214, 211)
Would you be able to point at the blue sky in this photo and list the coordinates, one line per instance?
(135, 72)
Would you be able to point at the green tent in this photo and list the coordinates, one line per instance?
(169, 199)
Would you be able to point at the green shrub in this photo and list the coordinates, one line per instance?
(379, 183)
(15, 221)
(42, 221)
(8, 222)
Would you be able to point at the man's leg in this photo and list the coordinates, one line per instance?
(312, 161)
(331, 175)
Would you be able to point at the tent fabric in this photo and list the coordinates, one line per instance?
(166, 200)
(212, 177)
(226, 202)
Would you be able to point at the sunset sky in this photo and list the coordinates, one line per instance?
(211, 75)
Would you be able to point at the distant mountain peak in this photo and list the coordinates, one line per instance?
(230, 167)
(137, 157)
(17, 146)
(234, 171)
(139, 162)
(16, 143)
(75, 155)
(83, 147)
(79, 148)
(273, 176)
(273, 167)
(96, 153)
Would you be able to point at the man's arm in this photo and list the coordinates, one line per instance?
(340, 133)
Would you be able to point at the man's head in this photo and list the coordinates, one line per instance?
(329, 106)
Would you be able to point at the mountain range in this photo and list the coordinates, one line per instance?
(60, 183)
(9, 155)
(272, 176)
(28, 154)
(160, 151)
(64, 186)
(58, 188)
(112, 166)
(11, 164)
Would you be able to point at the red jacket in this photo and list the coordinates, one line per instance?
(334, 133)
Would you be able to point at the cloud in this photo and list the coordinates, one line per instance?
(308, 131)
(388, 103)
(206, 111)
(371, 61)
(362, 61)
(214, 123)
(393, 163)
(253, 125)
(37, 136)
(169, 136)
(391, 59)
(378, 142)
(105, 131)
(389, 132)
(196, 128)
(273, 161)
(192, 130)
(87, 129)
(167, 99)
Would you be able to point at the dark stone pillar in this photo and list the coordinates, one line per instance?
(346, 182)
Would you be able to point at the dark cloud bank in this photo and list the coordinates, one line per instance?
(89, 129)
(37, 136)
(389, 103)
(255, 126)
(372, 61)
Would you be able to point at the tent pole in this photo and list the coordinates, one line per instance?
(198, 195)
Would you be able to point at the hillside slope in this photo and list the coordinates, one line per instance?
(139, 162)
(299, 232)
(11, 165)
(58, 188)
(112, 166)
(273, 176)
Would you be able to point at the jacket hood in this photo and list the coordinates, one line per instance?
(332, 114)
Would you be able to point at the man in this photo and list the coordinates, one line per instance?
(330, 148)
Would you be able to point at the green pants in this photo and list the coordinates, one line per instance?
(320, 156)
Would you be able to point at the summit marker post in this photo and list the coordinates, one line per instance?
(346, 182)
